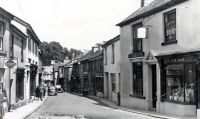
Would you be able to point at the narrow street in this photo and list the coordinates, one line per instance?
(69, 106)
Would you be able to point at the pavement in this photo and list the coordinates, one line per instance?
(137, 111)
(24, 111)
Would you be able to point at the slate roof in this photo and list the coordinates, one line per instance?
(90, 55)
(111, 41)
(152, 8)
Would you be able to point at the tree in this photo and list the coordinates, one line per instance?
(55, 51)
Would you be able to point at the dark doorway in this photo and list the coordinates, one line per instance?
(154, 86)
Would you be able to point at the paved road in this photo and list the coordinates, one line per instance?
(69, 106)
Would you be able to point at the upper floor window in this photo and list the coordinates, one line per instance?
(113, 53)
(1, 35)
(29, 44)
(12, 46)
(106, 57)
(170, 26)
(22, 50)
(137, 42)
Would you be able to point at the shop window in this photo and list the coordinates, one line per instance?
(180, 82)
(137, 79)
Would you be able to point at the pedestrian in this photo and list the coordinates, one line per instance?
(41, 92)
(37, 92)
(44, 92)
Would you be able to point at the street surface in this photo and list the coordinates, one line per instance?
(69, 106)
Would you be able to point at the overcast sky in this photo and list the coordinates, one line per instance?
(76, 24)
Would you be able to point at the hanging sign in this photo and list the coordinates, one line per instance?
(10, 63)
(142, 32)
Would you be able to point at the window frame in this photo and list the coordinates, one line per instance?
(135, 40)
(2, 35)
(113, 53)
(164, 88)
(165, 22)
(138, 88)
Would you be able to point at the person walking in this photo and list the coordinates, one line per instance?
(37, 92)
(41, 92)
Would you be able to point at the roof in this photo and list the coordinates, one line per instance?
(111, 41)
(90, 55)
(22, 22)
(152, 8)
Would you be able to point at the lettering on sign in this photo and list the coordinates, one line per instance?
(177, 60)
(10, 63)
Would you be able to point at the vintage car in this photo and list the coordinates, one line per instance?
(52, 91)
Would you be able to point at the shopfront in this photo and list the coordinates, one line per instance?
(179, 77)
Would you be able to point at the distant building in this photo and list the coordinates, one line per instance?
(111, 51)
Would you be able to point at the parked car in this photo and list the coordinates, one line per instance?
(59, 89)
(52, 91)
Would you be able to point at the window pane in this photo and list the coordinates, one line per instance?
(175, 82)
(170, 25)
(1, 43)
(1, 29)
(137, 79)
(190, 76)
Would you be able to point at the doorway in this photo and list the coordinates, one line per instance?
(154, 86)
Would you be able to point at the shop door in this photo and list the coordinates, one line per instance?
(154, 86)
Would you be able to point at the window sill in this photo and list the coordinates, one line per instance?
(2, 52)
(177, 102)
(137, 96)
(136, 54)
(169, 42)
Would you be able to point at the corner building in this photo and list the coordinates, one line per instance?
(161, 70)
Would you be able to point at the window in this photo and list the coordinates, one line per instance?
(12, 46)
(106, 57)
(170, 26)
(33, 47)
(137, 42)
(138, 79)
(22, 50)
(20, 84)
(1, 35)
(180, 82)
(113, 79)
(113, 54)
(36, 50)
(29, 44)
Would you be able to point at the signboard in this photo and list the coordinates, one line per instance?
(10, 63)
(142, 32)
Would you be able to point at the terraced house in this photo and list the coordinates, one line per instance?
(160, 49)
(18, 63)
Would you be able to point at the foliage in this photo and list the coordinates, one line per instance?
(55, 51)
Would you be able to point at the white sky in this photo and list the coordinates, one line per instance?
(76, 24)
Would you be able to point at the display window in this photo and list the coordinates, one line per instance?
(180, 82)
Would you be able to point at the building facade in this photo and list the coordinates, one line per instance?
(14, 36)
(160, 70)
(111, 51)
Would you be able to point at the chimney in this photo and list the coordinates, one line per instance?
(142, 3)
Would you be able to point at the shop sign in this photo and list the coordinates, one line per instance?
(10, 63)
(173, 60)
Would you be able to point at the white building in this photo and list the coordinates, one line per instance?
(111, 51)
